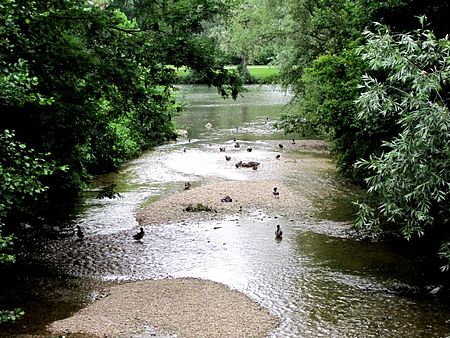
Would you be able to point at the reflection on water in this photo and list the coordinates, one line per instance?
(318, 279)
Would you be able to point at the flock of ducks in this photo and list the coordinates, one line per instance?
(251, 164)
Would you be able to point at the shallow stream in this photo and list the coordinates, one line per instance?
(319, 280)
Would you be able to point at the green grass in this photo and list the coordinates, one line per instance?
(263, 72)
(260, 74)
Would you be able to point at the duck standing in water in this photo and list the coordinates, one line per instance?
(278, 233)
(80, 233)
(139, 235)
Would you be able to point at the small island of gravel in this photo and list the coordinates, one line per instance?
(189, 307)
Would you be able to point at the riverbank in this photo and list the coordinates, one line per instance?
(189, 307)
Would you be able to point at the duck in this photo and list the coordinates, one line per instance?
(280, 145)
(226, 199)
(293, 141)
(237, 145)
(249, 150)
(187, 186)
(278, 232)
(139, 235)
(80, 233)
(227, 158)
(250, 164)
(278, 156)
(275, 192)
(239, 164)
(222, 149)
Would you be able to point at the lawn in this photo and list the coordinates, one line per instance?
(261, 74)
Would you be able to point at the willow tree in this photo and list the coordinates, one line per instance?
(410, 180)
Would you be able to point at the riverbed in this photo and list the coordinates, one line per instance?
(319, 280)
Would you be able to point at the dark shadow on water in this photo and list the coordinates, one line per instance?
(44, 295)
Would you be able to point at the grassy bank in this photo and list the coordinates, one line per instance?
(258, 74)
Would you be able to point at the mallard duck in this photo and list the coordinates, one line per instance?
(187, 186)
(239, 164)
(249, 150)
(222, 149)
(80, 233)
(293, 141)
(139, 235)
(275, 192)
(278, 233)
(278, 156)
(227, 158)
(237, 145)
(280, 145)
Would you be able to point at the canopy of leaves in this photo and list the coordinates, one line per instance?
(90, 82)
(411, 178)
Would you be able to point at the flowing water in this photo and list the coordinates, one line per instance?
(319, 280)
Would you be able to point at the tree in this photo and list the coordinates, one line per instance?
(103, 70)
(411, 178)
(247, 33)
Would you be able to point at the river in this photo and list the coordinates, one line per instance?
(320, 279)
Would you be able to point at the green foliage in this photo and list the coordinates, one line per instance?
(262, 74)
(88, 81)
(411, 178)
(246, 34)
(10, 315)
(5, 244)
(199, 207)
(21, 172)
(444, 253)
(326, 108)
